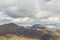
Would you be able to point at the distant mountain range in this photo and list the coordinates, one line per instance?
(12, 25)
(35, 31)
(15, 29)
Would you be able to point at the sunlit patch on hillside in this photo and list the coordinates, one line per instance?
(14, 37)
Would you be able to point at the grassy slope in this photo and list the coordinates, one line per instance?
(16, 38)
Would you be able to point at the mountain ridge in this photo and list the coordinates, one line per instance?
(14, 29)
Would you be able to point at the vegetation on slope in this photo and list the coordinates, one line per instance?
(15, 32)
(14, 37)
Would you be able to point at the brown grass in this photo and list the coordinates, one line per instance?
(14, 37)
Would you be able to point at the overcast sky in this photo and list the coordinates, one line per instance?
(28, 12)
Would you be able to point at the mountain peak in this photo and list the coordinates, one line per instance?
(9, 25)
(38, 26)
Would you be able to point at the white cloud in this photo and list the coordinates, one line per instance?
(30, 11)
(54, 19)
(20, 20)
(43, 14)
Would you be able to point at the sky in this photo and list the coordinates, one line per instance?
(27, 12)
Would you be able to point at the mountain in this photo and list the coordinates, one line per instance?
(56, 26)
(9, 25)
(10, 28)
(38, 26)
(13, 29)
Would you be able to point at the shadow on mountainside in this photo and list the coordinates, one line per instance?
(14, 29)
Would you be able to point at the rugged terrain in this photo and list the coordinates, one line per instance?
(12, 31)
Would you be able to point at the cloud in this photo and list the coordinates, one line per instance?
(4, 18)
(20, 20)
(43, 14)
(30, 11)
(22, 8)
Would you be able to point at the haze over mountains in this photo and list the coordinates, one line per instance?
(56, 26)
